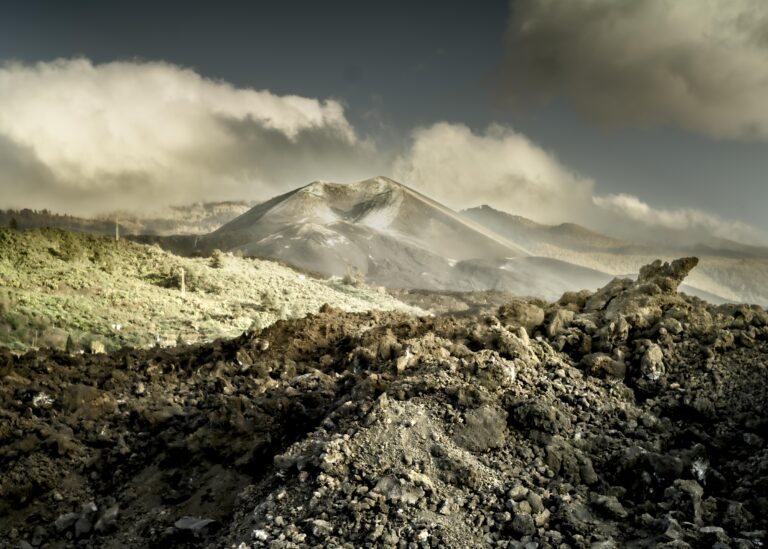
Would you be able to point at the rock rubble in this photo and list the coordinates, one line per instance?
(631, 417)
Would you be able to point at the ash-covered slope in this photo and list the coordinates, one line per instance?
(378, 226)
(629, 417)
(529, 233)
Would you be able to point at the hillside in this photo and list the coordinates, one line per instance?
(56, 285)
(329, 227)
(530, 234)
(197, 218)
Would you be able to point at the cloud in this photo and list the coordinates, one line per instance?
(629, 215)
(499, 167)
(88, 137)
(701, 65)
(504, 169)
(85, 138)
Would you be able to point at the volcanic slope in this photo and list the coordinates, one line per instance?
(60, 289)
(395, 237)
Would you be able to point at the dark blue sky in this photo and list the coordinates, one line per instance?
(395, 65)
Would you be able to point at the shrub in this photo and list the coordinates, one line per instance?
(195, 279)
(218, 259)
(354, 277)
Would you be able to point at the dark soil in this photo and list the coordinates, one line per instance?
(632, 417)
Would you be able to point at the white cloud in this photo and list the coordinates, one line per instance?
(499, 167)
(628, 215)
(130, 133)
(504, 169)
(698, 64)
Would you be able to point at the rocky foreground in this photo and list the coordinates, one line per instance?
(631, 417)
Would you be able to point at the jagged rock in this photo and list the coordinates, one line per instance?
(522, 313)
(195, 525)
(66, 521)
(559, 322)
(532, 414)
(652, 363)
(605, 295)
(399, 491)
(669, 529)
(602, 365)
(610, 506)
(667, 276)
(524, 525)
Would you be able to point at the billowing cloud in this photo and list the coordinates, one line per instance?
(699, 64)
(504, 169)
(499, 167)
(628, 215)
(81, 137)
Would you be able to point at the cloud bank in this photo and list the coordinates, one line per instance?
(701, 65)
(504, 169)
(83, 137)
(631, 216)
(499, 167)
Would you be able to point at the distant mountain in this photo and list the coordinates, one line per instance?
(727, 271)
(529, 233)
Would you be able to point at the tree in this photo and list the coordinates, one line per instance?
(13, 224)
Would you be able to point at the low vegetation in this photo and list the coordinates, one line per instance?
(70, 290)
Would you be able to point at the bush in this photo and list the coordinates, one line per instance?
(195, 279)
(218, 259)
(354, 277)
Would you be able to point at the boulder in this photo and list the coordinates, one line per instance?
(522, 313)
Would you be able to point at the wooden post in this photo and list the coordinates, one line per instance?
(117, 229)
(183, 286)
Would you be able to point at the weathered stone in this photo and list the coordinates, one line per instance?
(667, 276)
(524, 525)
(610, 506)
(88, 402)
(561, 319)
(603, 365)
(66, 521)
(522, 313)
(195, 525)
(484, 428)
(652, 363)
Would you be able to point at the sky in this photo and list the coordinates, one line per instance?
(642, 117)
